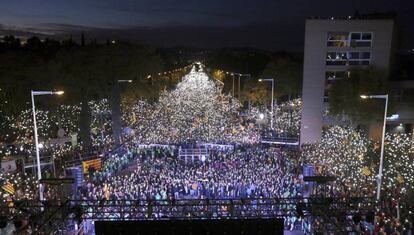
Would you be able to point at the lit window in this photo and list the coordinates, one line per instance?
(337, 39)
(335, 75)
(336, 58)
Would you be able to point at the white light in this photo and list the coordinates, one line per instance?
(40, 145)
(261, 116)
(203, 158)
(393, 117)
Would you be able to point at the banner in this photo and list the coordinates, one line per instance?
(95, 163)
(60, 140)
(74, 139)
(8, 166)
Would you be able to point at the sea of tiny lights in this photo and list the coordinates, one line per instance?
(184, 114)
(195, 110)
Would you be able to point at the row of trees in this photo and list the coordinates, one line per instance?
(351, 156)
(91, 71)
(84, 72)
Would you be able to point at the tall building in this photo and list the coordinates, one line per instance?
(332, 48)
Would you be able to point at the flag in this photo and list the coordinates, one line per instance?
(95, 163)
(366, 171)
(8, 187)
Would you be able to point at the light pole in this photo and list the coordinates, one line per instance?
(241, 75)
(232, 76)
(379, 180)
(39, 173)
(271, 110)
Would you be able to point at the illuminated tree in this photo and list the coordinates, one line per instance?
(398, 172)
(342, 152)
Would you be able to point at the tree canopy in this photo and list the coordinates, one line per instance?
(344, 96)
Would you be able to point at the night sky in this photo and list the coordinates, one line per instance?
(272, 24)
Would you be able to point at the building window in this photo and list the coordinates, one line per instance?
(359, 58)
(336, 58)
(361, 39)
(348, 58)
(337, 39)
(335, 75)
(332, 76)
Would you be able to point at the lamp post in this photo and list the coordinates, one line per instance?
(241, 75)
(379, 180)
(271, 110)
(232, 76)
(39, 173)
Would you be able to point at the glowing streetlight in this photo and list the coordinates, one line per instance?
(37, 146)
(379, 180)
(272, 80)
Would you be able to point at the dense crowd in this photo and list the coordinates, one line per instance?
(158, 175)
(196, 110)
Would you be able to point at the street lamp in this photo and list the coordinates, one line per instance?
(271, 110)
(39, 173)
(379, 180)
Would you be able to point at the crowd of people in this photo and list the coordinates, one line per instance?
(240, 181)
(196, 110)
(243, 182)
(157, 175)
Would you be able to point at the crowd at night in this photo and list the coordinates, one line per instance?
(190, 117)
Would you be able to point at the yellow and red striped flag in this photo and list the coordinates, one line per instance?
(8, 187)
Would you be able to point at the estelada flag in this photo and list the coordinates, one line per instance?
(8, 187)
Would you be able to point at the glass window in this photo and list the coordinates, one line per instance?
(355, 36)
(359, 39)
(333, 75)
(354, 55)
(336, 44)
(330, 55)
(336, 58)
(337, 39)
(330, 75)
(363, 43)
(337, 36)
(366, 36)
(341, 56)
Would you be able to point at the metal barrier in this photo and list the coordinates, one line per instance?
(281, 141)
(193, 155)
(56, 213)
